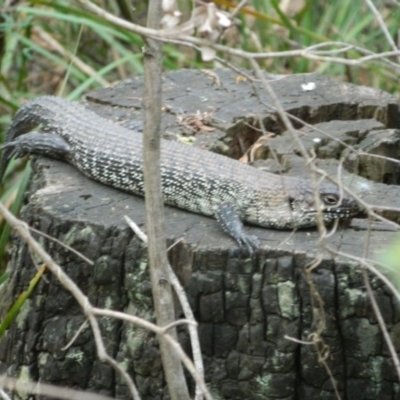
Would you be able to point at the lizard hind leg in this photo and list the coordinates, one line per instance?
(46, 144)
(229, 219)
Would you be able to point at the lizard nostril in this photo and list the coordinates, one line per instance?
(292, 203)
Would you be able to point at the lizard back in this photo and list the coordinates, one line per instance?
(192, 179)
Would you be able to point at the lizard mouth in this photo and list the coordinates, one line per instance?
(341, 211)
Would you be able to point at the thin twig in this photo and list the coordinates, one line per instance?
(142, 236)
(162, 331)
(56, 46)
(47, 390)
(180, 292)
(383, 26)
(381, 322)
(4, 395)
(77, 333)
(155, 219)
(69, 248)
(23, 230)
(178, 35)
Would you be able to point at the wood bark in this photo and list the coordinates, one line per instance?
(248, 309)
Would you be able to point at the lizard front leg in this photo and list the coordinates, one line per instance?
(46, 144)
(228, 217)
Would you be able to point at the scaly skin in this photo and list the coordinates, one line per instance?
(199, 181)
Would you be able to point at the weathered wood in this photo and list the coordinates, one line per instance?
(245, 307)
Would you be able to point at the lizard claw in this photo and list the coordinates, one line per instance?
(250, 242)
(33, 143)
(229, 219)
(37, 143)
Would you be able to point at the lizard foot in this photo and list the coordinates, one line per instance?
(229, 219)
(37, 143)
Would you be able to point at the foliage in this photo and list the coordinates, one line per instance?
(18, 304)
(42, 37)
(389, 263)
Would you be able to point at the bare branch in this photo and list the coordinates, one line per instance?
(69, 248)
(56, 46)
(23, 230)
(179, 35)
(172, 342)
(381, 322)
(43, 389)
(155, 220)
(382, 25)
(192, 327)
(4, 395)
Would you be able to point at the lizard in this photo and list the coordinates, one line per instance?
(192, 179)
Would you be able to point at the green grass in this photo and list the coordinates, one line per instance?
(114, 53)
(20, 301)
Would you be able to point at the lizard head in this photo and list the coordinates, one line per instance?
(332, 204)
(295, 206)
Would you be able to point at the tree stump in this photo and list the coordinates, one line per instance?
(259, 316)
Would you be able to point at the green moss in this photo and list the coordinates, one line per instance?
(24, 376)
(287, 300)
(76, 355)
(23, 313)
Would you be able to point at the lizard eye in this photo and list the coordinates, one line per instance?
(330, 199)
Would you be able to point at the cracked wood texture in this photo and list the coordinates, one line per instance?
(248, 309)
